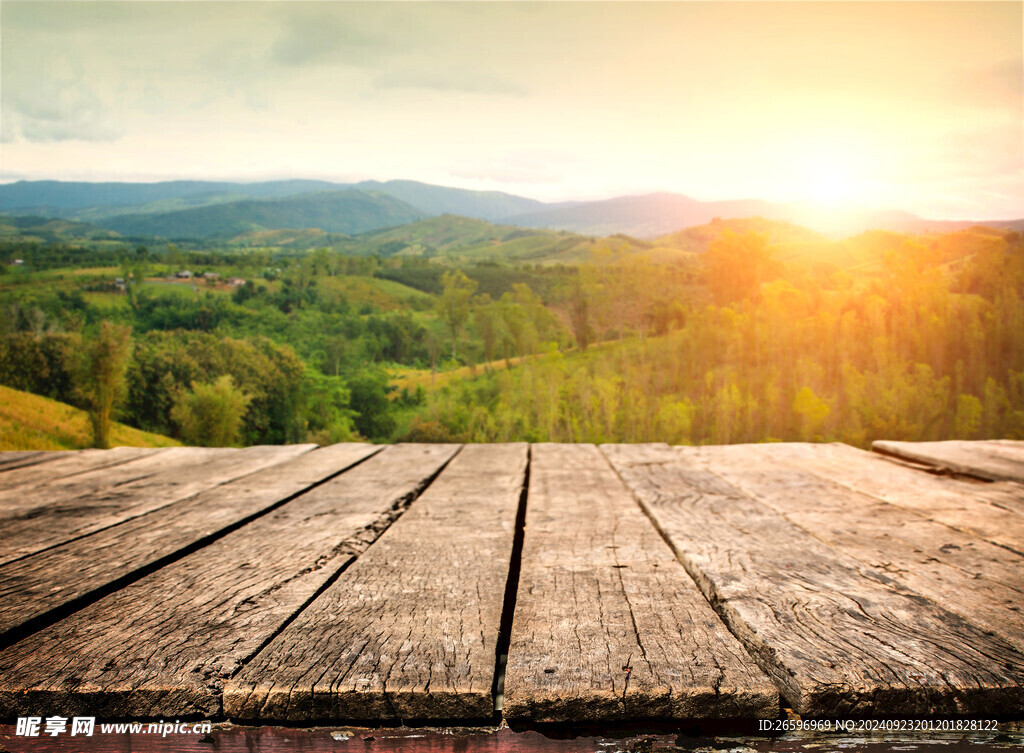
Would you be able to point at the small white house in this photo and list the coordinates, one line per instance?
(184, 275)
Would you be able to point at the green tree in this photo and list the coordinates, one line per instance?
(454, 304)
(736, 265)
(487, 316)
(373, 411)
(968, 417)
(210, 414)
(812, 411)
(579, 313)
(101, 381)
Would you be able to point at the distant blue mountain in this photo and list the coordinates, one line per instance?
(190, 209)
(95, 202)
(347, 212)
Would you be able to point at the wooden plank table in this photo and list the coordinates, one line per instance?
(607, 624)
(543, 584)
(40, 584)
(978, 580)
(165, 644)
(994, 460)
(61, 463)
(411, 630)
(838, 640)
(47, 515)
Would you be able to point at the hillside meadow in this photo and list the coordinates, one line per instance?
(31, 422)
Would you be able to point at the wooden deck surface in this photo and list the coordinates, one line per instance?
(546, 583)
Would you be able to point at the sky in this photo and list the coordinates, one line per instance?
(915, 106)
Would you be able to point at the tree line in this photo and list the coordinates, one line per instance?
(921, 349)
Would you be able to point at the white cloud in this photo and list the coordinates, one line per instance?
(56, 109)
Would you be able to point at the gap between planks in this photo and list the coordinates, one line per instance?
(608, 626)
(410, 631)
(40, 588)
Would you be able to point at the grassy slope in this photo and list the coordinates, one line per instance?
(31, 422)
(386, 295)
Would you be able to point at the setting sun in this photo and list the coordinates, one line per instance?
(832, 185)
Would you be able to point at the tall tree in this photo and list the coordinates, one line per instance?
(579, 313)
(488, 321)
(454, 304)
(102, 377)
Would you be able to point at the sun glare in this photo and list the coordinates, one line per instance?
(831, 186)
(828, 172)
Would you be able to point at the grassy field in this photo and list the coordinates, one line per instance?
(386, 295)
(31, 422)
(410, 379)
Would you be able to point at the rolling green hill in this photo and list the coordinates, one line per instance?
(790, 243)
(50, 230)
(696, 239)
(453, 240)
(331, 211)
(67, 198)
(646, 216)
(485, 205)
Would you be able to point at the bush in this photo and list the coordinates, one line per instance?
(210, 414)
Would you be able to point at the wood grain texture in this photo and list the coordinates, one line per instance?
(981, 582)
(18, 458)
(993, 461)
(57, 465)
(837, 638)
(982, 509)
(608, 626)
(164, 645)
(39, 489)
(52, 514)
(35, 585)
(410, 630)
(1011, 449)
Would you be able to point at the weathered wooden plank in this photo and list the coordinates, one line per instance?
(41, 522)
(35, 492)
(835, 637)
(164, 645)
(38, 584)
(608, 626)
(1008, 495)
(1012, 449)
(410, 630)
(14, 481)
(981, 509)
(17, 458)
(981, 582)
(973, 458)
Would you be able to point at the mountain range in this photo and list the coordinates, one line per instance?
(206, 209)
